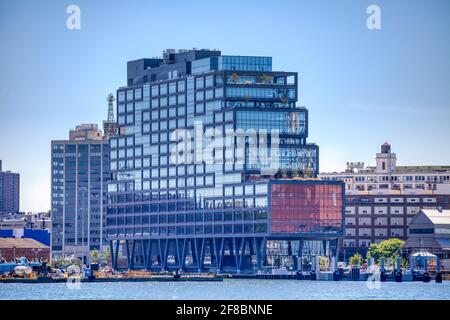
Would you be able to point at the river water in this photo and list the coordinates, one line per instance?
(230, 289)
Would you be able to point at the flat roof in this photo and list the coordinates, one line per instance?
(21, 243)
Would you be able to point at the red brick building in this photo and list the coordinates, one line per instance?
(12, 248)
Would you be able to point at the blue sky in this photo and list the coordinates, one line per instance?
(362, 87)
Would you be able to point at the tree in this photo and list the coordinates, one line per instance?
(355, 260)
(323, 263)
(372, 252)
(94, 255)
(390, 248)
(64, 262)
(107, 255)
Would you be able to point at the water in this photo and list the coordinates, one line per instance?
(230, 289)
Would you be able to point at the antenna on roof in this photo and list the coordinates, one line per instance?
(110, 100)
(110, 125)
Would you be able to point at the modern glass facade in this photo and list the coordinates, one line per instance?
(80, 171)
(162, 212)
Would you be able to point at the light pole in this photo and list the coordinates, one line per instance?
(83, 208)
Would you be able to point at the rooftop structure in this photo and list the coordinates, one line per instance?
(87, 131)
(110, 125)
(429, 231)
(387, 177)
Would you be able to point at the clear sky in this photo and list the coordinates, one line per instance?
(363, 87)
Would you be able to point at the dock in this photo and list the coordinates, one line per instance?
(114, 279)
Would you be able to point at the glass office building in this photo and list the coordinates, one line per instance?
(203, 139)
(80, 171)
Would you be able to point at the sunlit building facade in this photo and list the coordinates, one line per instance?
(80, 171)
(9, 191)
(164, 213)
(383, 199)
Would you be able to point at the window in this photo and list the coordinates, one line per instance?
(199, 95)
(219, 80)
(421, 231)
(199, 83)
(218, 92)
(181, 85)
(264, 93)
(209, 81)
(200, 108)
(121, 96)
(283, 121)
(138, 94)
(163, 89)
(155, 91)
(172, 87)
(129, 95)
(209, 94)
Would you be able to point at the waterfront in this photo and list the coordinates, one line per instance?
(230, 289)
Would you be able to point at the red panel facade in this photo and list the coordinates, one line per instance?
(313, 207)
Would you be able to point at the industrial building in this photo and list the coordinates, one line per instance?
(16, 248)
(382, 200)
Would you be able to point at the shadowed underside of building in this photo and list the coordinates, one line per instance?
(225, 254)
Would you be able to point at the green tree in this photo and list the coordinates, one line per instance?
(323, 263)
(356, 259)
(372, 252)
(391, 248)
(95, 255)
